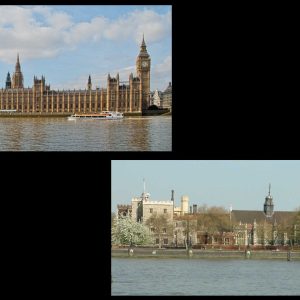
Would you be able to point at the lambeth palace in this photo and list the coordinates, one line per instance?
(240, 228)
(124, 96)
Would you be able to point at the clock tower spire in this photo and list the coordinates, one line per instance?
(143, 62)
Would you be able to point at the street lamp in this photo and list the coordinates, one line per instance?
(239, 240)
(187, 232)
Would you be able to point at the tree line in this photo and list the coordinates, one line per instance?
(208, 219)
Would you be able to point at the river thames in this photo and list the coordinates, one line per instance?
(59, 134)
(151, 276)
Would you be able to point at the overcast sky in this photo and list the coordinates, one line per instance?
(242, 183)
(67, 43)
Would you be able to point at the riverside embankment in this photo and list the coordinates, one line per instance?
(33, 115)
(47, 115)
(197, 253)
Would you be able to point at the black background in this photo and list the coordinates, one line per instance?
(235, 92)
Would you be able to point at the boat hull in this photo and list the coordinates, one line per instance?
(94, 118)
(102, 116)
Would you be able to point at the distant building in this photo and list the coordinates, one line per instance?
(257, 228)
(166, 101)
(265, 227)
(156, 98)
(142, 208)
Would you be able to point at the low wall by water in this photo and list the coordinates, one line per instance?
(41, 115)
(153, 112)
(176, 253)
(33, 115)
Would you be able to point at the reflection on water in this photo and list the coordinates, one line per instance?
(59, 134)
(131, 276)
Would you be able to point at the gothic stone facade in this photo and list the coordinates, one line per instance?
(127, 96)
(166, 100)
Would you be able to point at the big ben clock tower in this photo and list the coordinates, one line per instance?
(143, 62)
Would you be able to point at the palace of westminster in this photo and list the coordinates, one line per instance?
(125, 96)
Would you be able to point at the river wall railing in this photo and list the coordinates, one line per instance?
(197, 253)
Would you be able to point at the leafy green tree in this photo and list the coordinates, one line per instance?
(127, 231)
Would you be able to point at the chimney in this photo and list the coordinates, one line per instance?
(194, 209)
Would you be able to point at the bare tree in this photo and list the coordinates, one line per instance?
(189, 223)
(202, 208)
(160, 227)
(296, 226)
(213, 219)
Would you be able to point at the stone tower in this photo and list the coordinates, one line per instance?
(143, 63)
(184, 205)
(17, 80)
(269, 206)
(8, 81)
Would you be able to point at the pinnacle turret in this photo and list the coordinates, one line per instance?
(17, 79)
(269, 206)
(89, 85)
(8, 81)
(18, 66)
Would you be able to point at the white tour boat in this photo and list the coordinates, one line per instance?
(104, 115)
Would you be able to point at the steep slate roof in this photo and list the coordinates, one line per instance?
(248, 216)
(169, 88)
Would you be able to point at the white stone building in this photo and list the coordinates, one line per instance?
(142, 208)
(155, 99)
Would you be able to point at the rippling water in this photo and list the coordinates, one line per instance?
(204, 277)
(59, 134)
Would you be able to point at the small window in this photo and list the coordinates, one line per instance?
(165, 211)
(152, 229)
(165, 241)
(164, 230)
(157, 241)
(151, 210)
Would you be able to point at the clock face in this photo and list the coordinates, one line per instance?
(144, 64)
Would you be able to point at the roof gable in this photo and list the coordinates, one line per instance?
(248, 216)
